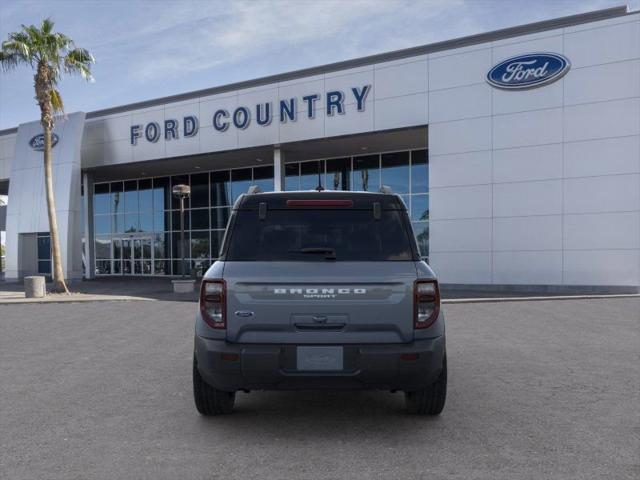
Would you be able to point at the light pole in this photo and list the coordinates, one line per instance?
(182, 192)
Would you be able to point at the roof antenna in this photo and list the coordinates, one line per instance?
(319, 188)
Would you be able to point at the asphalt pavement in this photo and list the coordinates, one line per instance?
(537, 390)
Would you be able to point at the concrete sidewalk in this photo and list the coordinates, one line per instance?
(103, 289)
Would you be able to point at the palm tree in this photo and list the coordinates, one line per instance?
(50, 55)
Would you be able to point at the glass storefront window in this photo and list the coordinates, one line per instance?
(421, 231)
(240, 182)
(103, 247)
(200, 219)
(161, 221)
(101, 199)
(292, 176)
(145, 195)
(162, 267)
(200, 245)
(366, 173)
(312, 173)
(117, 223)
(200, 190)
(131, 222)
(161, 194)
(419, 171)
(420, 207)
(339, 174)
(146, 222)
(175, 245)
(117, 248)
(175, 220)
(395, 171)
(144, 210)
(160, 245)
(216, 242)
(219, 217)
(200, 266)
(263, 178)
(103, 267)
(220, 191)
(117, 193)
(102, 224)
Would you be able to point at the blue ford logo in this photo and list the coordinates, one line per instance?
(528, 71)
(37, 142)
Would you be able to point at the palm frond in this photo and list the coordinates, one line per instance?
(19, 46)
(9, 61)
(47, 26)
(79, 61)
(56, 101)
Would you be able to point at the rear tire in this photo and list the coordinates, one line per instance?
(210, 400)
(431, 399)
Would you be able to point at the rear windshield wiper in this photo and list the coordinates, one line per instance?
(330, 253)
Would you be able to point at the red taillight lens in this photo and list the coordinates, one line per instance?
(213, 303)
(319, 203)
(426, 303)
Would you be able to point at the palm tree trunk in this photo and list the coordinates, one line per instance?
(59, 284)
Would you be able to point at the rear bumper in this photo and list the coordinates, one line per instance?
(273, 367)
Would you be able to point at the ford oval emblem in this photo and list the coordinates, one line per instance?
(528, 71)
(37, 142)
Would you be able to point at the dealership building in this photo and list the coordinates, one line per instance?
(517, 153)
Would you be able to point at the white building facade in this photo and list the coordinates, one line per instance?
(517, 153)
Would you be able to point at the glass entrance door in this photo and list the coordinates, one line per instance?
(132, 256)
(142, 261)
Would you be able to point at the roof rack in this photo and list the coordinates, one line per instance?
(386, 189)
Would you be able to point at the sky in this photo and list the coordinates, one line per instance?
(150, 49)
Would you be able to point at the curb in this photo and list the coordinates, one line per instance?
(537, 299)
(45, 300)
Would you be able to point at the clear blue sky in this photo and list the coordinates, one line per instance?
(149, 49)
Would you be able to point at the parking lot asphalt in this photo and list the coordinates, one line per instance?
(537, 390)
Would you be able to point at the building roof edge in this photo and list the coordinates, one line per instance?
(466, 41)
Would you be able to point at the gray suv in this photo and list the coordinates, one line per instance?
(319, 290)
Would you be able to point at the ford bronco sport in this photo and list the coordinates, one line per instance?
(319, 290)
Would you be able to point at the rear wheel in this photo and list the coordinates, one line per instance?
(209, 400)
(429, 400)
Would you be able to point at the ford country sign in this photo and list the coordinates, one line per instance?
(37, 142)
(528, 71)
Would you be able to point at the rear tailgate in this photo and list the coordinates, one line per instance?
(319, 302)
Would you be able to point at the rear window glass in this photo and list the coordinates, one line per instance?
(308, 235)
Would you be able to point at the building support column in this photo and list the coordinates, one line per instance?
(278, 170)
(87, 221)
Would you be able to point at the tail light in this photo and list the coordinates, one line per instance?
(213, 303)
(426, 303)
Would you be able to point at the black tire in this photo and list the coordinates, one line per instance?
(209, 400)
(431, 399)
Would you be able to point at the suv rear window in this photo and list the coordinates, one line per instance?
(308, 235)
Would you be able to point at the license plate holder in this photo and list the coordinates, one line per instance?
(319, 359)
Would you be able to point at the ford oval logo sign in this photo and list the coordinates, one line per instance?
(528, 71)
(37, 142)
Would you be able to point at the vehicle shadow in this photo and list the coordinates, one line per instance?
(323, 414)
